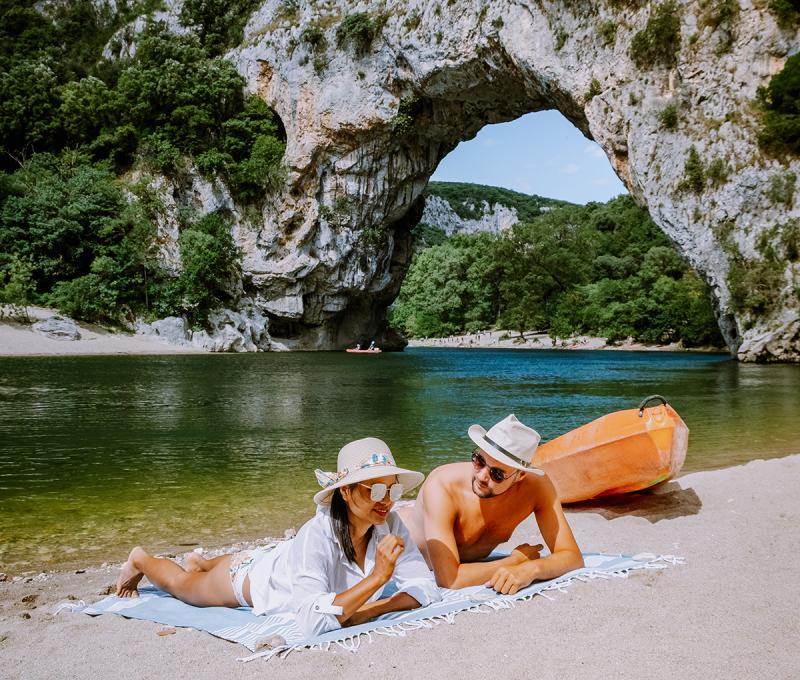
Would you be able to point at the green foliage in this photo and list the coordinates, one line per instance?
(781, 188)
(17, 288)
(412, 21)
(718, 172)
(659, 42)
(28, 107)
(358, 30)
(218, 23)
(210, 261)
(721, 16)
(560, 38)
(404, 121)
(668, 117)
(313, 36)
(694, 173)
(288, 10)
(602, 269)
(786, 12)
(780, 128)
(426, 235)
(466, 200)
(755, 285)
(607, 32)
(594, 90)
(497, 23)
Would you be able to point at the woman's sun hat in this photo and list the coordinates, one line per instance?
(359, 461)
(511, 442)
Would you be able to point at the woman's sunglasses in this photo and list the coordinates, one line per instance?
(497, 475)
(377, 492)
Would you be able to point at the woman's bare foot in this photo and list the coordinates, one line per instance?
(193, 561)
(130, 576)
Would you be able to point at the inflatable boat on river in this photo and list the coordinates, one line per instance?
(621, 452)
(363, 351)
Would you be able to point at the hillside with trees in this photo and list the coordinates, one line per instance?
(599, 269)
(82, 137)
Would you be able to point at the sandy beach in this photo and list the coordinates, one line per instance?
(17, 339)
(500, 339)
(730, 612)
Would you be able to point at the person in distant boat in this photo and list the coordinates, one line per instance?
(372, 346)
(358, 346)
(465, 510)
(333, 572)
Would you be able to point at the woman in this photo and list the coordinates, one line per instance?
(333, 572)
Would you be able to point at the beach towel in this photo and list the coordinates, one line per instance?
(277, 634)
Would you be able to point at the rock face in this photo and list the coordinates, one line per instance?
(228, 331)
(368, 118)
(494, 218)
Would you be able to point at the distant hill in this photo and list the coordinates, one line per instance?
(467, 200)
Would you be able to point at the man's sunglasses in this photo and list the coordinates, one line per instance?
(377, 492)
(497, 475)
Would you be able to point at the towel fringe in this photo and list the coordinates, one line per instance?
(352, 643)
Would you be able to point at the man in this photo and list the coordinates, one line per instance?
(465, 510)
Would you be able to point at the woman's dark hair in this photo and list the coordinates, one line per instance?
(341, 525)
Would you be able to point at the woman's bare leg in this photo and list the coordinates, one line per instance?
(193, 561)
(201, 588)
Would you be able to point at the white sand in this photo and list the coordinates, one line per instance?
(21, 340)
(500, 339)
(730, 612)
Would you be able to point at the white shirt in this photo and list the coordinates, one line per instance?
(304, 575)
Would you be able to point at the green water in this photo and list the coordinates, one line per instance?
(100, 453)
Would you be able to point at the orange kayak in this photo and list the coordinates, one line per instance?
(618, 453)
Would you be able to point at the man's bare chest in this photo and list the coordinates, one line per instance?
(478, 532)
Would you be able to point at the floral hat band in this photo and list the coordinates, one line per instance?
(359, 461)
(327, 479)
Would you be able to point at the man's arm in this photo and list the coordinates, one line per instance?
(438, 521)
(564, 552)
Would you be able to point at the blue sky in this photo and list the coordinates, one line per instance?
(540, 153)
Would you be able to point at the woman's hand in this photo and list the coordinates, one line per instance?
(387, 553)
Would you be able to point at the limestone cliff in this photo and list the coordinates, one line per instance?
(374, 94)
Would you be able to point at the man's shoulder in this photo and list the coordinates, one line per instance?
(449, 475)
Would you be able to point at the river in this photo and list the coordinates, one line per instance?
(100, 453)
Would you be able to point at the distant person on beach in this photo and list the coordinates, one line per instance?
(333, 572)
(465, 510)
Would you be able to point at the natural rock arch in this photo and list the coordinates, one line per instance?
(367, 123)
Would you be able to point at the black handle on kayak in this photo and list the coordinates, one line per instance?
(647, 400)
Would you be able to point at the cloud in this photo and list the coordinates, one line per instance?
(570, 168)
(594, 150)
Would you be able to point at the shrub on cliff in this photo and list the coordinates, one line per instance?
(780, 100)
(358, 30)
(659, 42)
(218, 23)
(210, 262)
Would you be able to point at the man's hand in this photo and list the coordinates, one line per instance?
(524, 552)
(508, 580)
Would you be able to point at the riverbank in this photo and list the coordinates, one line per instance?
(730, 611)
(500, 339)
(18, 339)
